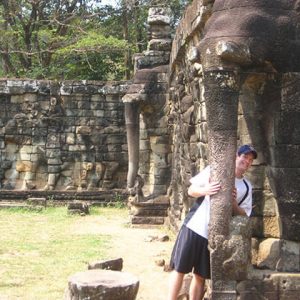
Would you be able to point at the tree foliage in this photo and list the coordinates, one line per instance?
(73, 39)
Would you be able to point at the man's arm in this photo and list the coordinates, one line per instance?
(209, 189)
(236, 210)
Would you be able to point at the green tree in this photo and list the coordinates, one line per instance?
(73, 39)
(57, 39)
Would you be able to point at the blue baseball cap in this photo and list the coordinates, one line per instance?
(245, 149)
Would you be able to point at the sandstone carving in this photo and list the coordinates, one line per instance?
(229, 57)
(62, 141)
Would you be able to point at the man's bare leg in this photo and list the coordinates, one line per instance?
(175, 283)
(197, 287)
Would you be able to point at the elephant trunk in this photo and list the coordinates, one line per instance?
(221, 96)
(133, 137)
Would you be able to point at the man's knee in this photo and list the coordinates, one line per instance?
(198, 278)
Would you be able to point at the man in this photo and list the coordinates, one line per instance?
(190, 252)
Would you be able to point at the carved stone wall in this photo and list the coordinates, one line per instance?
(187, 109)
(62, 136)
(269, 118)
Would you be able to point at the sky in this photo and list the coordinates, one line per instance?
(106, 2)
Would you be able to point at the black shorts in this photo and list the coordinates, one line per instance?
(190, 253)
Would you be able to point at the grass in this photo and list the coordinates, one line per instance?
(40, 250)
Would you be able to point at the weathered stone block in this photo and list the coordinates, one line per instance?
(44, 87)
(54, 161)
(116, 139)
(265, 227)
(144, 145)
(159, 149)
(84, 89)
(248, 291)
(54, 169)
(290, 93)
(157, 74)
(112, 264)
(160, 44)
(159, 31)
(264, 204)
(289, 257)
(37, 201)
(271, 226)
(256, 176)
(270, 205)
(147, 220)
(287, 286)
(283, 184)
(279, 153)
(102, 284)
(291, 226)
(287, 128)
(159, 16)
(23, 166)
(268, 253)
(78, 207)
(152, 61)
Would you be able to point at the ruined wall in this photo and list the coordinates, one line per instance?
(269, 118)
(62, 136)
(187, 109)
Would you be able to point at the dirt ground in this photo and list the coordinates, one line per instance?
(140, 248)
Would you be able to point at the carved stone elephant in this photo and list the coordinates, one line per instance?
(247, 48)
(245, 43)
(147, 137)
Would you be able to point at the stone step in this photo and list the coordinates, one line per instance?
(94, 196)
(21, 205)
(148, 204)
(11, 204)
(143, 220)
(149, 211)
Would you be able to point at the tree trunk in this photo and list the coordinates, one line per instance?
(126, 38)
(138, 29)
(6, 59)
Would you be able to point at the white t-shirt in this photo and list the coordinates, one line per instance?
(199, 221)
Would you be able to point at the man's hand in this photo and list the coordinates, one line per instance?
(212, 188)
(234, 194)
(209, 189)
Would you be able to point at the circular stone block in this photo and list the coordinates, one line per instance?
(102, 285)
